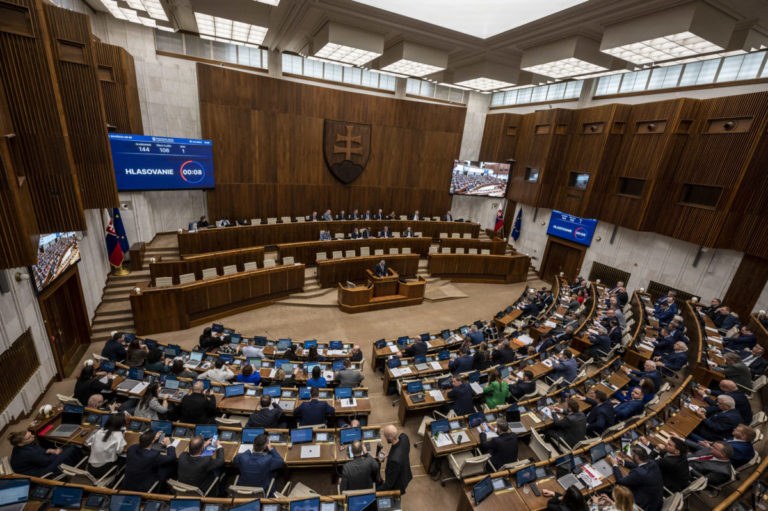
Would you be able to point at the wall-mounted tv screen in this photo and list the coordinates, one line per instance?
(480, 178)
(56, 253)
(572, 228)
(161, 163)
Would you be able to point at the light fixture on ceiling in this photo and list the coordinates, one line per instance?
(144, 12)
(485, 76)
(413, 59)
(568, 57)
(347, 44)
(229, 31)
(681, 32)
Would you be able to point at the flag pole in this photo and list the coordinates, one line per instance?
(120, 271)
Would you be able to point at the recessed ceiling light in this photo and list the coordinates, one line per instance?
(565, 58)
(231, 31)
(565, 68)
(485, 75)
(347, 44)
(348, 54)
(482, 83)
(137, 11)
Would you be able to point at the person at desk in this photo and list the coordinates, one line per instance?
(106, 445)
(672, 461)
(356, 354)
(622, 500)
(248, 375)
(220, 373)
(417, 349)
(210, 340)
(156, 362)
(89, 383)
(730, 320)
(742, 444)
(746, 340)
(503, 447)
(392, 215)
(325, 235)
(341, 216)
(365, 233)
(250, 350)
(385, 233)
(572, 428)
(114, 348)
(712, 460)
(415, 216)
(629, 408)
(150, 405)
(565, 367)
(475, 335)
(571, 500)
(381, 269)
(379, 215)
(367, 215)
(504, 354)
(755, 361)
(259, 467)
(317, 379)
(481, 360)
(179, 371)
(719, 422)
(203, 222)
(462, 395)
(314, 411)
(136, 354)
(447, 217)
(497, 390)
(268, 415)
(601, 416)
(523, 387)
(676, 360)
(644, 479)
(462, 363)
(728, 388)
(145, 466)
(355, 234)
(30, 459)
(600, 346)
(397, 473)
(197, 470)
(736, 371)
(355, 215)
(314, 217)
(314, 356)
(408, 233)
(196, 408)
(649, 371)
(361, 473)
(348, 377)
(328, 216)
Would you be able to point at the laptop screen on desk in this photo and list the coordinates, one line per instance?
(597, 452)
(349, 435)
(302, 435)
(66, 497)
(237, 389)
(440, 426)
(164, 426)
(482, 489)
(124, 503)
(185, 504)
(272, 391)
(359, 502)
(312, 504)
(207, 431)
(415, 386)
(254, 505)
(343, 392)
(250, 434)
(526, 475)
(13, 491)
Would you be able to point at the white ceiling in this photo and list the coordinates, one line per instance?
(477, 18)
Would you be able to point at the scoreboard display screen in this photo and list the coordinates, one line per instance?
(161, 163)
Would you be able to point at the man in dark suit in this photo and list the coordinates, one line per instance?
(644, 479)
(365, 234)
(397, 474)
(742, 444)
(313, 411)
(198, 470)
(415, 216)
(447, 217)
(601, 346)
(675, 360)
(385, 233)
(475, 336)
(367, 215)
(729, 321)
(314, 217)
(341, 215)
(381, 269)
(754, 360)
(354, 215)
(736, 371)
(530, 309)
(503, 447)
(408, 233)
(649, 371)
(259, 466)
(672, 461)
(601, 416)
(572, 428)
(268, 415)
(355, 234)
(622, 297)
(746, 340)
(114, 348)
(565, 367)
(361, 472)
(633, 406)
(712, 460)
(462, 363)
(30, 459)
(719, 422)
(504, 354)
(728, 388)
(664, 344)
(463, 397)
(144, 466)
(523, 387)
(417, 349)
(379, 215)
(196, 407)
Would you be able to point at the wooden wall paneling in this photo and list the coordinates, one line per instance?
(119, 91)
(746, 286)
(40, 150)
(712, 157)
(499, 137)
(268, 138)
(75, 64)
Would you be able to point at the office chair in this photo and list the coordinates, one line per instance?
(180, 489)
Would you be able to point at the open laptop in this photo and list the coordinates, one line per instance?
(195, 359)
(598, 453)
(513, 419)
(71, 417)
(14, 494)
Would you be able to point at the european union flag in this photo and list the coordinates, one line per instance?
(117, 242)
(518, 223)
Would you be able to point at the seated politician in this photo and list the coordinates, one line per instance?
(354, 235)
(745, 340)
(30, 459)
(381, 269)
(755, 360)
(447, 217)
(327, 216)
(355, 215)
(314, 217)
(325, 235)
(408, 233)
(385, 233)
(719, 422)
(341, 215)
(415, 216)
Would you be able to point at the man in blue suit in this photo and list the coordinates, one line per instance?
(259, 466)
(463, 397)
(601, 346)
(664, 314)
(754, 360)
(327, 216)
(676, 331)
(381, 269)
(718, 424)
(676, 360)
(313, 411)
(30, 459)
(649, 371)
(565, 366)
(729, 320)
(462, 363)
(475, 335)
(601, 416)
(728, 388)
(664, 343)
(644, 479)
(746, 340)
(385, 233)
(633, 406)
(144, 466)
(742, 443)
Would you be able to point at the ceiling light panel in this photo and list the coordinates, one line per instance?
(565, 68)
(565, 58)
(229, 31)
(484, 84)
(674, 46)
(137, 11)
(411, 68)
(348, 54)
(347, 44)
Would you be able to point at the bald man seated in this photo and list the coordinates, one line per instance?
(198, 407)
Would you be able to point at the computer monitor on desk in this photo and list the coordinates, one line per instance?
(301, 435)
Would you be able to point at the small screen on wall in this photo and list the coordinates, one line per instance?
(56, 253)
(480, 178)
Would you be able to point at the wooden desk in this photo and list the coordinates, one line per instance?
(385, 285)
(362, 298)
(480, 268)
(306, 251)
(245, 236)
(333, 271)
(185, 305)
(196, 264)
(497, 246)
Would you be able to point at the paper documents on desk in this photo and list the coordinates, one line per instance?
(534, 418)
(550, 324)
(489, 433)
(104, 379)
(348, 402)
(335, 353)
(715, 340)
(525, 339)
(435, 365)
(175, 442)
(393, 348)
(442, 440)
(693, 407)
(244, 448)
(437, 395)
(593, 477)
(400, 371)
(429, 344)
(272, 372)
(547, 362)
(138, 389)
(476, 388)
(711, 329)
(646, 346)
(460, 437)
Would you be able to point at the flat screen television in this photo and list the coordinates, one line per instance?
(161, 163)
(479, 178)
(56, 253)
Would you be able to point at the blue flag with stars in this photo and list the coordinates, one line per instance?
(518, 222)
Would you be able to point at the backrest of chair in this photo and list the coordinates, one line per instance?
(365, 251)
(378, 251)
(467, 235)
(433, 249)
(250, 265)
(472, 251)
(459, 250)
(209, 273)
(165, 281)
(288, 260)
(455, 235)
(473, 466)
(269, 263)
(300, 219)
(406, 250)
(321, 256)
(485, 251)
(339, 236)
(394, 250)
(540, 448)
(285, 219)
(417, 234)
(349, 253)
(396, 234)
(76, 475)
(445, 250)
(403, 217)
(337, 254)
(184, 490)
(272, 220)
(230, 269)
(673, 503)
(186, 278)
(443, 234)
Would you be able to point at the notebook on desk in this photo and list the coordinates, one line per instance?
(310, 451)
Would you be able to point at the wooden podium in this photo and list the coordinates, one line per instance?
(381, 293)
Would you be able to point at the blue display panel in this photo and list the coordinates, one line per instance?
(572, 228)
(161, 163)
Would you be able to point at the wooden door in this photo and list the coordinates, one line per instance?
(747, 284)
(561, 256)
(66, 321)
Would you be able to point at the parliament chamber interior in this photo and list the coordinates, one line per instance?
(359, 255)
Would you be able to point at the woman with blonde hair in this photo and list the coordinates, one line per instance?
(623, 500)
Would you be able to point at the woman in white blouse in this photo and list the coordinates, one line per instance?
(107, 444)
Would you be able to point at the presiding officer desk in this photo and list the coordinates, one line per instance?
(227, 238)
(182, 306)
(306, 251)
(332, 271)
(480, 267)
(196, 264)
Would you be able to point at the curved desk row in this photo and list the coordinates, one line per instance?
(196, 264)
(332, 271)
(480, 268)
(497, 246)
(227, 238)
(306, 251)
(185, 305)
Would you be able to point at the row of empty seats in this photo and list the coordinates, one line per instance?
(366, 251)
(210, 273)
